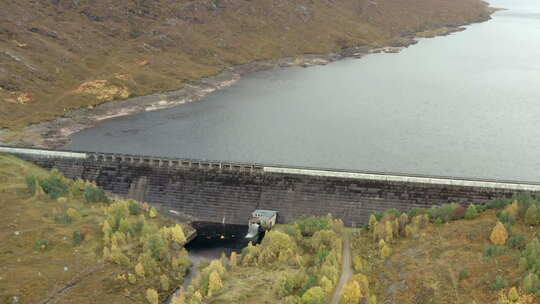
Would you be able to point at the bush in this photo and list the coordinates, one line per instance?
(471, 213)
(531, 256)
(464, 274)
(498, 203)
(314, 295)
(42, 244)
(517, 241)
(532, 216)
(152, 296)
(385, 251)
(506, 218)
(417, 211)
(94, 194)
(134, 208)
(531, 283)
(309, 225)
(351, 293)
(289, 283)
(393, 212)
(499, 235)
(443, 213)
(494, 250)
(164, 282)
(498, 284)
(78, 237)
(54, 186)
(31, 184)
(459, 213)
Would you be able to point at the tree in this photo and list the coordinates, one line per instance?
(532, 216)
(234, 259)
(177, 235)
(499, 235)
(214, 283)
(164, 281)
(314, 295)
(139, 270)
(385, 251)
(471, 212)
(152, 296)
(372, 222)
(351, 293)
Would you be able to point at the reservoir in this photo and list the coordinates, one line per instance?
(463, 105)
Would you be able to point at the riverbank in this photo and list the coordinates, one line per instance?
(56, 133)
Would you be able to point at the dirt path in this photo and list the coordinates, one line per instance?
(346, 271)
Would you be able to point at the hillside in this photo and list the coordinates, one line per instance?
(68, 243)
(59, 55)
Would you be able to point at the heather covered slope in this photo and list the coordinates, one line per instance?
(58, 55)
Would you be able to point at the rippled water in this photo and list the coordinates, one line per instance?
(467, 104)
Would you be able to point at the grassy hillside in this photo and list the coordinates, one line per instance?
(58, 55)
(450, 254)
(53, 240)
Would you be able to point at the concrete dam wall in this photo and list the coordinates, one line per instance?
(228, 192)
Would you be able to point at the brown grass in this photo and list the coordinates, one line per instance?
(35, 275)
(426, 268)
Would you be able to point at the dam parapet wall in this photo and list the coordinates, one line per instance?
(226, 192)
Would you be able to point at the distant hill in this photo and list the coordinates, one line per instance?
(57, 55)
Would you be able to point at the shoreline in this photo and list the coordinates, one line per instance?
(56, 133)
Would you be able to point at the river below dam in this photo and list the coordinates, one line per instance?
(467, 105)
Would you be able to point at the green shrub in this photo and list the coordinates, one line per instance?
(31, 184)
(464, 274)
(459, 212)
(42, 244)
(498, 203)
(532, 215)
(481, 208)
(443, 212)
(498, 283)
(309, 225)
(416, 211)
(531, 256)
(290, 283)
(531, 284)
(506, 218)
(134, 208)
(54, 186)
(94, 195)
(517, 241)
(494, 250)
(392, 211)
(378, 215)
(471, 213)
(78, 237)
(314, 295)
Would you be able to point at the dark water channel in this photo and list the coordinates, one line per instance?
(466, 105)
(212, 241)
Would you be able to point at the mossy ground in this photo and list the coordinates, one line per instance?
(63, 271)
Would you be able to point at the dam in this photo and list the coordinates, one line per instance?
(221, 192)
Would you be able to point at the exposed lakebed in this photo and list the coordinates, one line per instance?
(462, 105)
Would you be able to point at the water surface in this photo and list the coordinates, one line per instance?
(467, 105)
